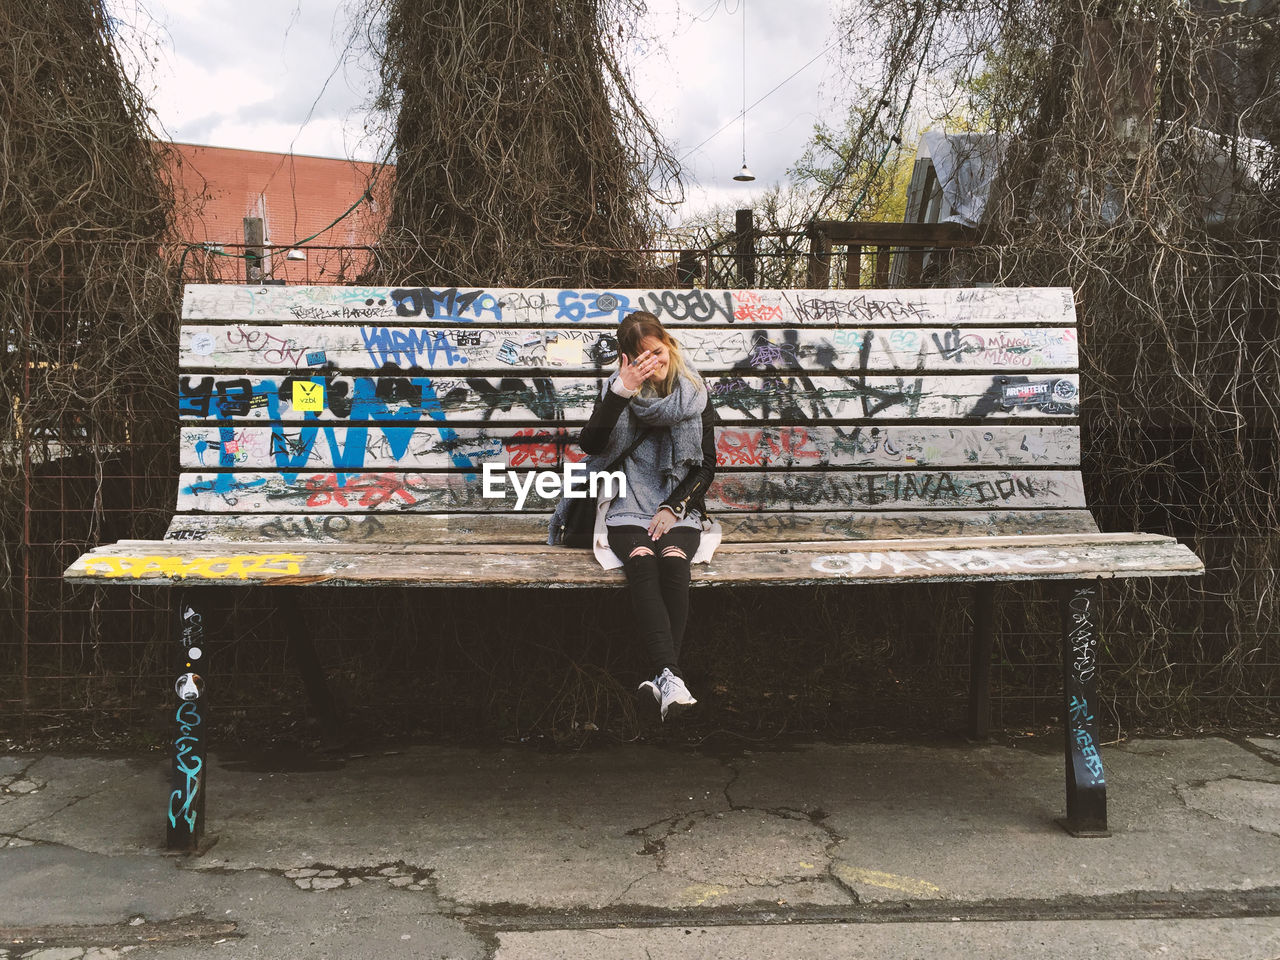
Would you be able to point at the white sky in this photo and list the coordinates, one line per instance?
(267, 75)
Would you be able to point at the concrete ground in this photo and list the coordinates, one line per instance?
(875, 850)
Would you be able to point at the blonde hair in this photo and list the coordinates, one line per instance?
(634, 330)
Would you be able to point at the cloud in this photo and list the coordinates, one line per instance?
(696, 90)
(246, 73)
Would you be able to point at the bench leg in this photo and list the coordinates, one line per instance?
(980, 660)
(185, 824)
(1081, 609)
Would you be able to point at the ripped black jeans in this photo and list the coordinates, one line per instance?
(658, 581)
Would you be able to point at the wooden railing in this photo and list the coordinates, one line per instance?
(911, 243)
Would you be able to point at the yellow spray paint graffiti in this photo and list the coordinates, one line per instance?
(211, 568)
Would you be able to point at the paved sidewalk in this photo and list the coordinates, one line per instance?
(874, 850)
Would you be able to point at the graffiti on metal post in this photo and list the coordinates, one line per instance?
(1080, 718)
(188, 764)
(187, 759)
(1082, 636)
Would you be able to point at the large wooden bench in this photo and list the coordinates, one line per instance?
(337, 435)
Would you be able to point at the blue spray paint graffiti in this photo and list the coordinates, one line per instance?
(1081, 719)
(408, 348)
(187, 763)
(591, 305)
(363, 401)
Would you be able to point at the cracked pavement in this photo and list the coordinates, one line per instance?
(452, 852)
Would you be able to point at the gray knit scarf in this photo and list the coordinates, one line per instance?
(679, 445)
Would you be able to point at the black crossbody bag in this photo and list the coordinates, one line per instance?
(580, 516)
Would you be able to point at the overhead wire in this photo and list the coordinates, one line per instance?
(763, 98)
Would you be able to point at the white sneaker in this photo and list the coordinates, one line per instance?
(673, 696)
(649, 686)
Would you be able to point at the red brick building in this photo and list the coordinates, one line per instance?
(294, 197)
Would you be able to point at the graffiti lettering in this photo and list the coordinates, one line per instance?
(534, 448)
(954, 346)
(1082, 636)
(273, 349)
(961, 561)
(451, 304)
(751, 307)
(1080, 719)
(737, 447)
(187, 763)
(210, 568)
(698, 305)
(331, 527)
(851, 564)
(363, 489)
(590, 305)
(749, 493)
(860, 308)
(1006, 488)
(192, 628)
(406, 348)
(984, 561)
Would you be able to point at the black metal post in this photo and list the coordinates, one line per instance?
(980, 651)
(1081, 609)
(185, 824)
(745, 247)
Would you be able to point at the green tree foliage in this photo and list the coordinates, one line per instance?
(853, 180)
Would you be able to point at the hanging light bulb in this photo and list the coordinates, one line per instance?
(744, 175)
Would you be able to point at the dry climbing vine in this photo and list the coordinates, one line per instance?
(1139, 150)
(86, 301)
(522, 158)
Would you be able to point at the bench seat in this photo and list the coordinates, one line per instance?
(303, 563)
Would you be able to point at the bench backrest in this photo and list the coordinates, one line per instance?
(365, 415)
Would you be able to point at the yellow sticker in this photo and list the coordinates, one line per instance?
(308, 396)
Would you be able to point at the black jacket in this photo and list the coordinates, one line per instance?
(690, 493)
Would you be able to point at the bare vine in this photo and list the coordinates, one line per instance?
(86, 299)
(1140, 165)
(522, 158)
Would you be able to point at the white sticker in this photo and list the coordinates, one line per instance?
(202, 344)
(568, 352)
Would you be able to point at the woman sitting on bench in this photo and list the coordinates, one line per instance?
(657, 526)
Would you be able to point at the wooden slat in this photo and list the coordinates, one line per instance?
(1101, 555)
(742, 526)
(815, 547)
(383, 446)
(890, 490)
(450, 399)
(300, 349)
(255, 492)
(739, 526)
(675, 307)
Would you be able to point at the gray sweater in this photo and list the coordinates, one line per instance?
(647, 490)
